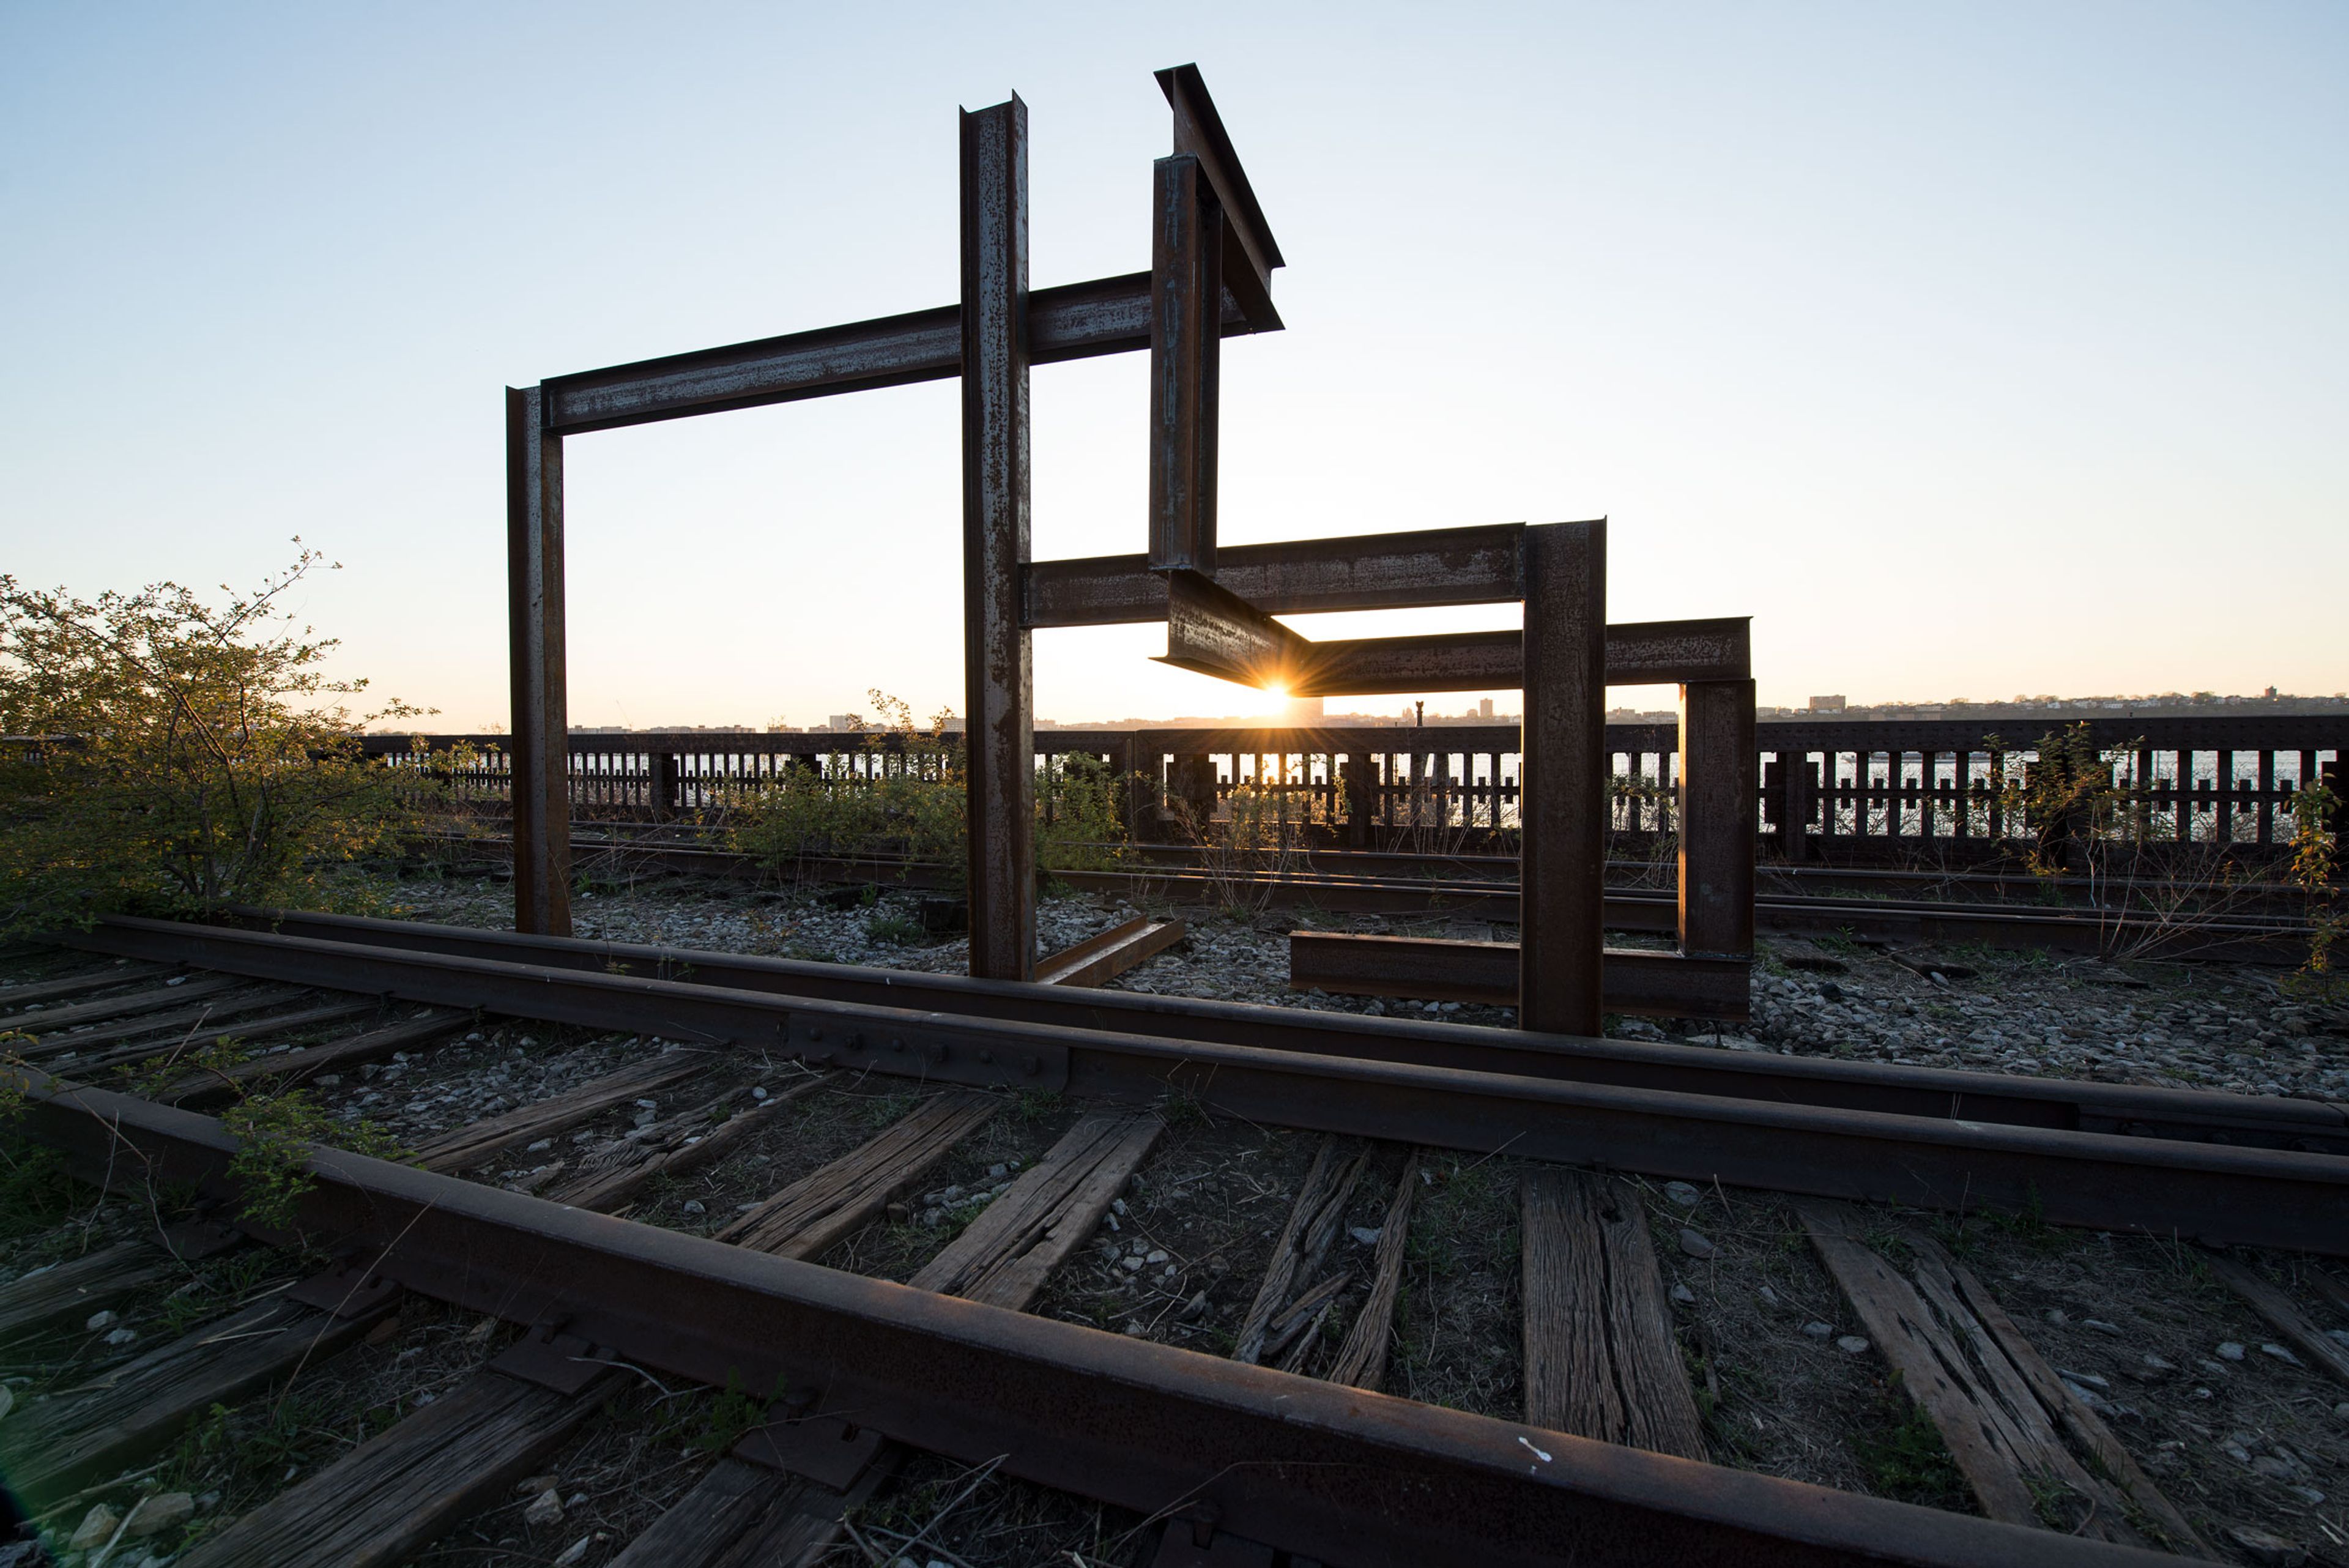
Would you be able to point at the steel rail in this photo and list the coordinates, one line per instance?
(2240, 938)
(2071, 1104)
(2218, 1193)
(1335, 1473)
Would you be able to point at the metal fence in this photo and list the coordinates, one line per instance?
(1843, 791)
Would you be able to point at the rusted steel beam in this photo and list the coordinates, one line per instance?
(998, 674)
(1333, 1473)
(1213, 631)
(1250, 253)
(1633, 980)
(535, 621)
(1717, 790)
(1441, 661)
(1562, 800)
(1186, 291)
(1069, 321)
(1110, 953)
(1301, 577)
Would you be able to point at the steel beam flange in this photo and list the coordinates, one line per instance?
(1338, 1474)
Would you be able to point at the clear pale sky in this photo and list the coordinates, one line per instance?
(1972, 350)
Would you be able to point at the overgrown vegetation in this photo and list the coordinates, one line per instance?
(165, 754)
(904, 795)
(2315, 852)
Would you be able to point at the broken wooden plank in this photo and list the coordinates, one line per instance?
(477, 1141)
(2104, 1454)
(740, 1515)
(1600, 1359)
(1999, 1433)
(1110, 953)
(64, 1292)
(2282, 1314)
(1313, 1220)
(820, 1208)
(391, 1496)
(674, 1145)
(55, 1445)
(1004, 1256)
(45, 992)
(208, 1086)
(1361, 1360)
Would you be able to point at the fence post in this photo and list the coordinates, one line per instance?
(668, 784)
(1716, 801)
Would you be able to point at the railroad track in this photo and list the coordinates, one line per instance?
(1488, 894)
(1213, 1458)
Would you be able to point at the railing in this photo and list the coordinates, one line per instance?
(1844, 791)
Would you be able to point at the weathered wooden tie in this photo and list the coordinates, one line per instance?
(129, 1004)
(2000, 1410)
(1004, 1256)
(229, 998)
(45, 992)
(811, 1213)
(1600, 1357)
(209, 1086)
(246, 1031)
(1361, 1359)
(53, 1446)
(395, 1493)
(2284, 1314)
(51, 1297)
(674, 1145)
(1286, 1308)
(477, 1141)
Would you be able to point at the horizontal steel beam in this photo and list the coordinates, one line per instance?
(1071, 321)
(1340, 1474)
(2260, 1120)
(1301, 577)
(1664, 984)
(2218, 1193)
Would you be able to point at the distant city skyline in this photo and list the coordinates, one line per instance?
(1968, 349)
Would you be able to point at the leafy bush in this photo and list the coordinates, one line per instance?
(911, 800)
(168, 755)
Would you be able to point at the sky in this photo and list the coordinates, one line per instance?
(1971, 350)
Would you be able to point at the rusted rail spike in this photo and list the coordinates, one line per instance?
(2255, 1197)
(1337, 1474)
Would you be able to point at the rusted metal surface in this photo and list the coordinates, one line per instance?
(1435, 661)
(1250, 253)
(1110, 953)
(2253, 1120)
(1211, 631)
(1338, 1474)
(2220, 1193)
(1717, 792)
(1562, 808)
(1631, 980)
(535, 582)
(1376, 571)
(1655, 652)
(1000, 761)
(1186, 292)
(1068, 321)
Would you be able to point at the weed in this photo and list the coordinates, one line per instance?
(881, 1110)
(892, 929)
(1179, 1108)
(272, 1165)
(1039, 1105)
(1906, 1459)
(733, 1411)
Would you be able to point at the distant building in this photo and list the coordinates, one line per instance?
(1827, 704)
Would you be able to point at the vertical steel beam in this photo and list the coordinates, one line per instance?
(542, 730)
(1186, 310)
(1562, 802)
(1716, 812)
(997, 668)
